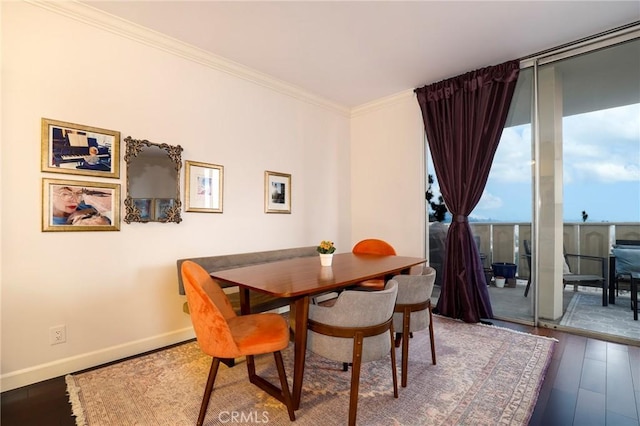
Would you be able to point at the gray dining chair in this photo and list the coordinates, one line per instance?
(357, 328)
(413, 312)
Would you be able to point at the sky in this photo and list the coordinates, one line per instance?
(601, 157)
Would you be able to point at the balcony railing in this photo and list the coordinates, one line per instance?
(501, 242)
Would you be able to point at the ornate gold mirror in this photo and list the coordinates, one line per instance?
(153, 181)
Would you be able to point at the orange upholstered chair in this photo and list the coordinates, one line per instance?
(223, 334)
(373, 246)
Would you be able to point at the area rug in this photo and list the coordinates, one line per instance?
(484, 375)
(585, 311)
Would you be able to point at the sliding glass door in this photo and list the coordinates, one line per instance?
(589, 142)
(565, 180)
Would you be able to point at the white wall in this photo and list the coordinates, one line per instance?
(116, 292)
(388, 174)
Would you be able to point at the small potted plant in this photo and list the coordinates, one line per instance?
(326, 249)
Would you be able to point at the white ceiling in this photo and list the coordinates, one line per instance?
(356, 52)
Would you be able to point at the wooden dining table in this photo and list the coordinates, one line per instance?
(302, 278)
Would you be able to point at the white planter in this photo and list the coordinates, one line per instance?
(500, 282)
(326, 259)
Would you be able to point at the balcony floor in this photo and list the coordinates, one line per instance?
(583, 312)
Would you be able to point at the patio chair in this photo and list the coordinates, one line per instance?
(569, 278)
(625, 264)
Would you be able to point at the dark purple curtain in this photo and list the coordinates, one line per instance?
(463, 118)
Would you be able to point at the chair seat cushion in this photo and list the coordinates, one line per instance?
(371, 285)
(259, 333)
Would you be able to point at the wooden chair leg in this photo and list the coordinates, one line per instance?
(284, 385)
(393, 366)
(398, 340)
(355, 378)
(431, 336)
(406, 323)
(213, 371)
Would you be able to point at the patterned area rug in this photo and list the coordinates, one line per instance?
(484, 376)
(585, 311)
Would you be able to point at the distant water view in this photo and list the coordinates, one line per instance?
(601, 157)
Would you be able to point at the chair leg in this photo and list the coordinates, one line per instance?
(398, 340)
(406, 322)
(431, 336)
(393, 365)
(355, 378)
(284, 385)
(213, 371)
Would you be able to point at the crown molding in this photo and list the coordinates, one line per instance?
(89, 15)
(381, 103)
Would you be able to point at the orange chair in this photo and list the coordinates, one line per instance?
(373, 246)
(223, 334)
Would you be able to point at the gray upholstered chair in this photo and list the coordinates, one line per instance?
(413, 312)
(357, 328)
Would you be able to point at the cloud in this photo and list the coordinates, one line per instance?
(489, 201)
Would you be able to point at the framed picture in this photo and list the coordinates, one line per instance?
(203, 187)
(80, 150)
(277, 192)
(162, 208)
(70, 205)
(145, 206)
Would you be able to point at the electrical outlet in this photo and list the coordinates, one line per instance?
(58, 334)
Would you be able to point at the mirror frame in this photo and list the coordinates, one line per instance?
(133, 148)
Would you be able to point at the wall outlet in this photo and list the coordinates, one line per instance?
(58, 334)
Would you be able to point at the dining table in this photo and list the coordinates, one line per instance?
(300, 280)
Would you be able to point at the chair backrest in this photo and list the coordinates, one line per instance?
(527, 254)
(374, 246)
(354, 309)
(414, 289)
(210, 309)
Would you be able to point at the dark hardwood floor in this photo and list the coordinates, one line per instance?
(589, 382)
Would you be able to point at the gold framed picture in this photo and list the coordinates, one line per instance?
(203, 184)
(277, 192)
(71, 205)
(79, 150)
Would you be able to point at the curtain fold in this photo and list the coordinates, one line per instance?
(463, 119)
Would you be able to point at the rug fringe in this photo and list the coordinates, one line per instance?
(73, 390)
(553, 339)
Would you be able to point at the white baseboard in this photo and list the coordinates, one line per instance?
(61, 367)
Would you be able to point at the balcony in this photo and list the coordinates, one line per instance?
(582, 310)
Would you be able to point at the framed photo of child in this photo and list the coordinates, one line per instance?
(81, 150)
(70, 205)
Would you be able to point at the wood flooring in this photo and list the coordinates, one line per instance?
(589, 382)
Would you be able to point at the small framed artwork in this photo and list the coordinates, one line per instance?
(70, 205)
(203, 187)
(145, 207)
(163, 208)
(79, 150)
(277, 192)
